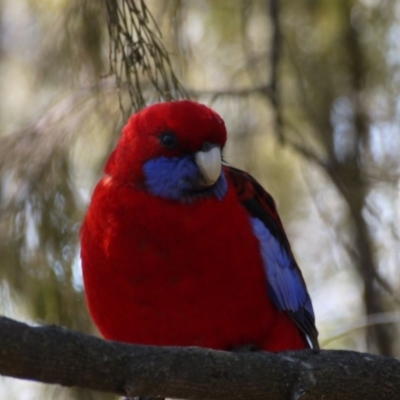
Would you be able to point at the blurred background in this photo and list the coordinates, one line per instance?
(309, 91)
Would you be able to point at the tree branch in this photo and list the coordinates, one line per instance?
(53, 354)
(263, 89)
(274, 61)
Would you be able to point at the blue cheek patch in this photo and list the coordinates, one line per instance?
(177, 179)
(286, 287)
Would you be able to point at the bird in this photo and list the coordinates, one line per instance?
(180, 249)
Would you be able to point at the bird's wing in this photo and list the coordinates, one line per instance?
(286, 285)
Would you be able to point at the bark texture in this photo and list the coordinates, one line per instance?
(52, 354)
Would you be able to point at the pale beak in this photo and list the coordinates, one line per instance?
(210, 164)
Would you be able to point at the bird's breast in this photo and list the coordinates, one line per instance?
(172, 273)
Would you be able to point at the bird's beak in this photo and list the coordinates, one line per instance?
(210, 164)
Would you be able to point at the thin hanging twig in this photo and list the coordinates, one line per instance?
(137, 55)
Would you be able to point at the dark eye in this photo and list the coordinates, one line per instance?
(169, 140)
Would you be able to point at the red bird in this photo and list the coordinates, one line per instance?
(178, 249)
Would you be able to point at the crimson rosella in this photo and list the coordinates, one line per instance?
(180, 249)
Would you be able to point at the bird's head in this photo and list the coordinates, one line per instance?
(173, 150)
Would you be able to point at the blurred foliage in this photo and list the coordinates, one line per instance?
(309, 91)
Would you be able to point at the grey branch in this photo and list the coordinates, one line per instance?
(52, 354)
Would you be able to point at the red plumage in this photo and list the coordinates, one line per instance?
(167, 272)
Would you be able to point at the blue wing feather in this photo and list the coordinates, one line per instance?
(286, 285)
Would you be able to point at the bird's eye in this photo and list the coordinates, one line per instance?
(169, 140)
